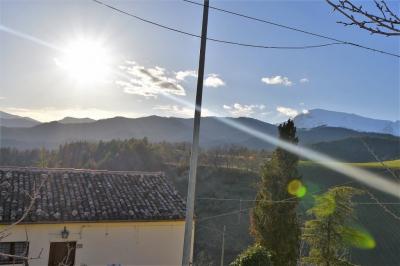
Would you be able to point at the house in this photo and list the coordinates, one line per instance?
(88, 217)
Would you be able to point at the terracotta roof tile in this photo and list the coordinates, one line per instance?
(87, 195)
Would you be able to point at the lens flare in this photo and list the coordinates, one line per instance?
(359, 238)
(296, 188)
(28, 37)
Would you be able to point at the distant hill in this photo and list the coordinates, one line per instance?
(73, 120)
(9, 120)
(156, 129)
(320, 117)
(355, 150)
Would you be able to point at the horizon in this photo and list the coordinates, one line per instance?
(187, 117)
(85, 68)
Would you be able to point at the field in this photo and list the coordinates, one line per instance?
(393, 164)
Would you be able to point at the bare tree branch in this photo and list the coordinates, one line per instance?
(22, 257)
(35, 195)
(6, 231)
(371, 151)
(386, 209)
(386, 22)
(372, 196)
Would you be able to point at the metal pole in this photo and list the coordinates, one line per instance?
(223, 247)
(187, 242)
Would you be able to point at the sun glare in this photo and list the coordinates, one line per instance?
(86, 61)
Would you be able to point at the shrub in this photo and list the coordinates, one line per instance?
(255, 255)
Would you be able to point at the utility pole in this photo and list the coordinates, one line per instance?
(240, 210)
(188, 238)
(223, 247)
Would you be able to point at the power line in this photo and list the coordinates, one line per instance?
(294, 29)
(223, 214)
(213, 39)
(247, 200)
(290, 201)
(201, 219)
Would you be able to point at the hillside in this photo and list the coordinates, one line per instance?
(355, 149)
(320, 117)
(156, 129)
(216, 183)
(232, 184)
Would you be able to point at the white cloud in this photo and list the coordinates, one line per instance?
(305, 111)
(287, 111)
(182, 75)
(277, 80)
(304, 80)
(149, 82)
(181, 111)
(175, 110)
(213, 80)
(238, 109)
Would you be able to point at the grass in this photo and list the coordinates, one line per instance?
(394, 164)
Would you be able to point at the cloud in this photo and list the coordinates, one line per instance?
(277, 80)
(149, 82)
(213, 80)
(238, 109)
(181, 111)
(305, 111)
(2, 98)
(287, 111)
(182, 75)
(175, 110)
(304, 80)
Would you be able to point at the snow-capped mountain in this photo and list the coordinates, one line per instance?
(320, 117)
(73, 120)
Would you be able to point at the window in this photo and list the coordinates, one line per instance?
(13, 248)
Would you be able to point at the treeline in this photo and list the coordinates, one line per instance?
(282, 236)
(132, 154)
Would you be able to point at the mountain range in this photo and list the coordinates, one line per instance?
(9, 120)
(320, 117)
(311, 119)
(171, 129)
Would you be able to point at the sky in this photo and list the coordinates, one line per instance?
(135, 69)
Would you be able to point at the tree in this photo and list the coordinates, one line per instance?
(329, 234)
(275, 224)
(255, 255)
(384, 22)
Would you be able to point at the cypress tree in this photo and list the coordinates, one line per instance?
(275, 224)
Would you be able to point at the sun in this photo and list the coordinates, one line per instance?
(86, 61)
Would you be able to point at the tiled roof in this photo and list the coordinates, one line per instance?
(87, 195)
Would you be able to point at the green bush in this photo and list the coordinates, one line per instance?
(255, 255)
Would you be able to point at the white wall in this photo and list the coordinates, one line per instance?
(125, 243)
